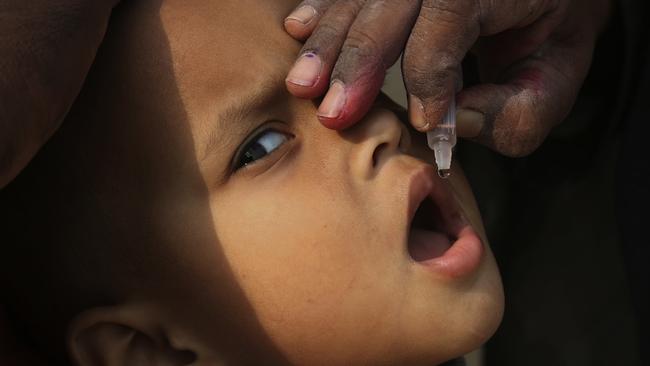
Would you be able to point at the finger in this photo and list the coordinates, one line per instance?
(370, 48)
(309, 77)
(303, 19)
(442, 36)
(515, 117)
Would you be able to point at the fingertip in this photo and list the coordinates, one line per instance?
(331, 108)
(306, 71)
(308, 77)
(306, 92)
(300, 23)
(334, 123)
(469, 123)
(344, 104)
(505, 118)
(304, 15)
(416, 113)
(297, 30)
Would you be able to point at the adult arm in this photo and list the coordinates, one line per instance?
(46, 48)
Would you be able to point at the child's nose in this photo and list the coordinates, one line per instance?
(378, 137)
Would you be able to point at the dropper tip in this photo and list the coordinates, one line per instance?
(444, 173)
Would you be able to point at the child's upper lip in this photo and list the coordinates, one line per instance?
(424, 183)
(420, 187)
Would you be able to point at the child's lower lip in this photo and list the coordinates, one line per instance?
(461, 259)
(452, 259)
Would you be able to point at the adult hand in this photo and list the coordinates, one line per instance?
(47, 48)
(533, 57)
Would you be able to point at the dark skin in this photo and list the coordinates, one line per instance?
(533, 58)
(47, 48)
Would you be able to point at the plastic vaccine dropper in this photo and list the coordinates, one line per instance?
(442, 140)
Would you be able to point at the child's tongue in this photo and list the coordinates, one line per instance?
(426, 244)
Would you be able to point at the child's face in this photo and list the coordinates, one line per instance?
(313, 225)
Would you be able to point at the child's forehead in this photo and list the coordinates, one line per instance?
(219, 49)
(227, 32)
(207, 41)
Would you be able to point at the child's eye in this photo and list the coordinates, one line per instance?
(260, 146)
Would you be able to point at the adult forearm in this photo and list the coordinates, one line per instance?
(46, 49)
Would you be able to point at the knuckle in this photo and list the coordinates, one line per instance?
(442, 10)
(319, 5)
(363, 45)
(325, 35)
(314, 3)
(428, 75)
(423, 82)
(383, 6)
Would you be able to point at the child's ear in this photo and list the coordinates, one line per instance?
(119, 336)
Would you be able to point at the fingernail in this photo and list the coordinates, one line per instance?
(306, 70)
(303, 14)
(334, 101)
(469, 123)
(416, 113)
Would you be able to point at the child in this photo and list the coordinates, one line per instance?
(190, 211)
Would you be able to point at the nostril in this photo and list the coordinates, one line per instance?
(376, 155)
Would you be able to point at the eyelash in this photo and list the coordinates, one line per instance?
(246, 156)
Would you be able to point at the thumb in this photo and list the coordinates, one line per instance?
(514, 117)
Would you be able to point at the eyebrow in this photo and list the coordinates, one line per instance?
(234, 123)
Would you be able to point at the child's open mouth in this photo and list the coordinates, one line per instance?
(428, 236)
(438, 236)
